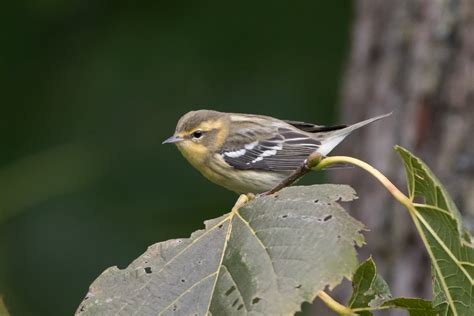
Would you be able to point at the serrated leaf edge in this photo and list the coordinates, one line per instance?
(417, 218)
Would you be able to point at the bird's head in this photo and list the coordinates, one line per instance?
(199, 134)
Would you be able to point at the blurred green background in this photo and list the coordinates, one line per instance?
(89, 89)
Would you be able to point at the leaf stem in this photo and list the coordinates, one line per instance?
(334, 305)
(369, 309)
(397, 194)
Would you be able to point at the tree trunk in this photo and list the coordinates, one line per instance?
(416, 58)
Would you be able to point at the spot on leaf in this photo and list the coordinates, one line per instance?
(229, 291)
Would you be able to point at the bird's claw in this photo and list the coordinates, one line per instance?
(242, 200)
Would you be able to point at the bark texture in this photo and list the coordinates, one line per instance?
(416, 58)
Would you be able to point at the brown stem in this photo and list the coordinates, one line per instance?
(305, 167)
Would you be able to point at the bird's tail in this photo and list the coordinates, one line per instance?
(335, 137)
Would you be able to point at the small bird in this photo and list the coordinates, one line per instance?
(248, 153)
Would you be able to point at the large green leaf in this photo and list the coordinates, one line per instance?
(265, 258)
(371, 292)
(368, 288)
(449, 246)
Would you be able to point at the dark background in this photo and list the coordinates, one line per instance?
(89, 89)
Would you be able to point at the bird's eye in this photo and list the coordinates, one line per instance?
(197, 134)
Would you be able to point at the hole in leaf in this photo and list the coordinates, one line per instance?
(229, 291)
(183, 280)
(256, 300)
(298, 286)
(240, 307)
(175, 308)
(220, 226)
(327, 218)
(316, 201)
(147, 270)
(284, 216)
(235, 302)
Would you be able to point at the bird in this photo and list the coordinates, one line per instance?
(248, 153)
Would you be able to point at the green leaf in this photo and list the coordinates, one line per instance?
(266, 258)
(371, 292)
(449, 246)
(368, 288)
(414, 306)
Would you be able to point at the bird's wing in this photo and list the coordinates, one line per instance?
(313, 128)
(282, 151)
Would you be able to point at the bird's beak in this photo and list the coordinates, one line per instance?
(173, 139)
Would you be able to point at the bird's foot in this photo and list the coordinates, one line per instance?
(242, 200)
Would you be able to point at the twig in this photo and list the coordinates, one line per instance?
(309, 163)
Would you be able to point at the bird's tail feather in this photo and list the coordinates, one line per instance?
(338, 136)
(349, 129)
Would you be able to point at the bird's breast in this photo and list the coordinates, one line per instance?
(241, 181)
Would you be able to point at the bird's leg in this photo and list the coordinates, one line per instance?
(309, 163)
(242, 200)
